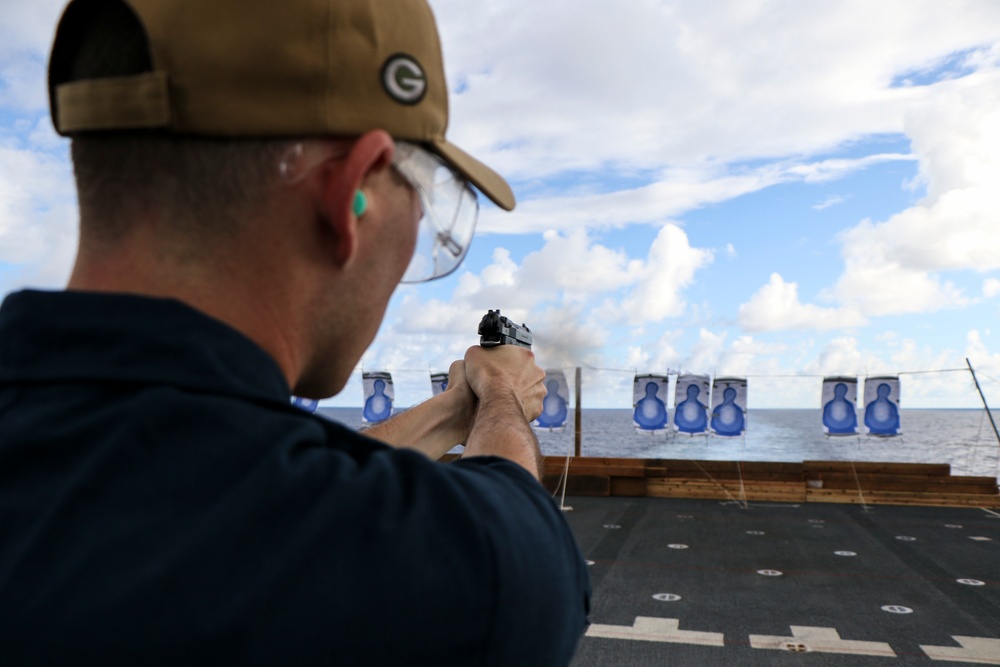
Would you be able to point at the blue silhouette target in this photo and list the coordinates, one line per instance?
(691, 415)
(554, 406)
(882, 406)
(379, 395)
(439, 383)
(729, 407)
(650, 413)
(310, 405)
(840, 413)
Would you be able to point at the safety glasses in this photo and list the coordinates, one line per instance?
(450, 210)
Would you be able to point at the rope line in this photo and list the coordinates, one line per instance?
(743, 491)
(739, 466)
(861, 494)
(724, 489)
(564, 480)
(857, 480)
(633, 371)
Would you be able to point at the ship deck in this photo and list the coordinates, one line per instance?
(698, 581)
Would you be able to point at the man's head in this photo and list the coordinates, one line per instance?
(184, 115)
(253, 69)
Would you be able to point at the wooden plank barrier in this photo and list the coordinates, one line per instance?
(809, 481)
(896, 484)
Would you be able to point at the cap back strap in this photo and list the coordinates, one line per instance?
(127, 102)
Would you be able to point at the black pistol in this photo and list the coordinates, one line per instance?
(495, 329)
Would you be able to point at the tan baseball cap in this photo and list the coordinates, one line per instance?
(273, 68)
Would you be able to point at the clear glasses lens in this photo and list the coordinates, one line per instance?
(450, 211)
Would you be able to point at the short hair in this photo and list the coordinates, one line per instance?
(199, 185)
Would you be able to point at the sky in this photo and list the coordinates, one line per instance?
(771, 189)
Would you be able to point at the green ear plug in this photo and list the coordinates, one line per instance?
(360, 203)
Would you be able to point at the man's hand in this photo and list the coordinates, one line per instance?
(464, 398)
(504, 371)
(510, 388)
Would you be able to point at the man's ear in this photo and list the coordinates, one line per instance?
(342, 182)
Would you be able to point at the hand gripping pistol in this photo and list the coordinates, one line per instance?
(495, 329)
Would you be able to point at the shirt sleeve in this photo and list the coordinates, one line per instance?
(542, 583)
(419, 562)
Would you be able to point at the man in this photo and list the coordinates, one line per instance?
(254, 178)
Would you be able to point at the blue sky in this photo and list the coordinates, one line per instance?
(775, 189)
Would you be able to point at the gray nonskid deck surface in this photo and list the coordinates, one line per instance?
(899, 595)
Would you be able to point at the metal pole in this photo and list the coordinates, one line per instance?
(979, 389)
(577, 415)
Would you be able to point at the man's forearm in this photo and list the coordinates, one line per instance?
(433, 427)
(500, 429)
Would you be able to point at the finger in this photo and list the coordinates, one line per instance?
(456, 371)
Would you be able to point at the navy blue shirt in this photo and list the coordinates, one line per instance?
(161, 502)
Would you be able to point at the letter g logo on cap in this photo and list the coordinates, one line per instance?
(403, 79)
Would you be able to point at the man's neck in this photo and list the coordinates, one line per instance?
(246, 295)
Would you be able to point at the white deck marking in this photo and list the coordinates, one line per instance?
(990, 512)
(979, 650)
(821, 640)
(666, 630)
(667, 597)
(897, 609)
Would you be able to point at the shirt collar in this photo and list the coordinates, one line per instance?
(59, 336)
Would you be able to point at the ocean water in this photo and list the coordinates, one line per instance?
(963, 439)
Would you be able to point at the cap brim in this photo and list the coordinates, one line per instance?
(485, 179)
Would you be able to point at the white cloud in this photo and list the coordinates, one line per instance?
(637, 84)
(660, 356)
(669, 269)
(833, 200)
(572, 269)
(37, 218)
(745, 354)
(26, 31)
(895, 266)
(23, 86)
(982, 358)
(776, 307)
(43, 137)
(571, 262)
(991, 288)
(849, 356)
(876, 287)
(958, 231)
(28, 26)
(679, 190)
(839, 356)
(638, 357)
(706, 352)
(572, 292)
(830, 170)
